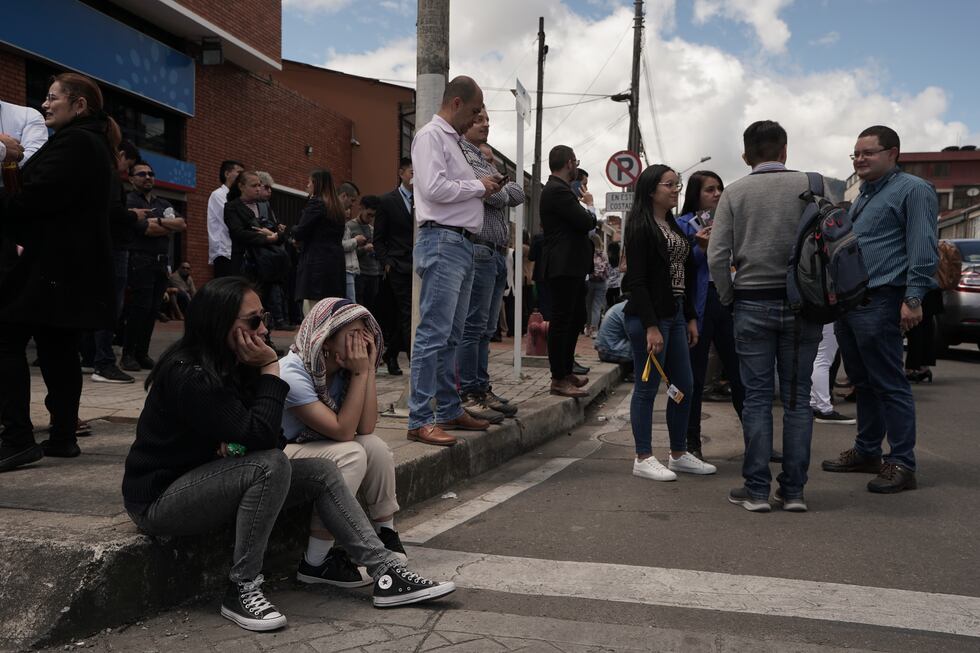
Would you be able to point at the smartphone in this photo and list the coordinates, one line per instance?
(577, 188)
(502, 180)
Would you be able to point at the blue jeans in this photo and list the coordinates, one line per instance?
(489, 282)
(351, 292)
(676, 361)
(595, 300)
(444, 262)
(870, 340)
(764, 339)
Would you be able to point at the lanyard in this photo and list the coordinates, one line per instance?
(859, 206)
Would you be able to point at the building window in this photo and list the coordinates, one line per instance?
(944, 201)
(940, 169)
(145, 124)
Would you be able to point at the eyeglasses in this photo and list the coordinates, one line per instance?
(253, 322)
(144, 174)
(672, 184)
(867, 154)
(51, 97)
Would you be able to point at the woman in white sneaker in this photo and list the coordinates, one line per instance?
(661, 320)
(331, 412)
(207, 453)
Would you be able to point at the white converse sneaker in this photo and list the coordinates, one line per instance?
(689, 464)
(652, 469)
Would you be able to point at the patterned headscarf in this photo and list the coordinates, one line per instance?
(327, 318)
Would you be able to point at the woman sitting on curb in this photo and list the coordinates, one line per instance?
(331, 412)
(208, 452)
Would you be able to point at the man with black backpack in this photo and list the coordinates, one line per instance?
(754, 232)
(895, 219)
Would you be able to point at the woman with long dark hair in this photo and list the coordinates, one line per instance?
(208, 452)
(715, 324)
(321, 272)
(661, 320)
(56, 270)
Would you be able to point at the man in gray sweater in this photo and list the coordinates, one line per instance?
(750, 244)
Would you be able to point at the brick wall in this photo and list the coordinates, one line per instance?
(256, 22)
(13, 86)
(264, 125)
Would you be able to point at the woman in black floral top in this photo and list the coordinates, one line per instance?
(661, 319)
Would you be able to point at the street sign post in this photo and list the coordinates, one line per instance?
(619, 202)
(523, 106)
(623, 168)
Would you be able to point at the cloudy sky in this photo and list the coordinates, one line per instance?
(825, 69)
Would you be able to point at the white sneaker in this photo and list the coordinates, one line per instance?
(652, 469)
(690, 465)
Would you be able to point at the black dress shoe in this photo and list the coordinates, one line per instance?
(891, 479)
(580, 369)
(60, 449)
(145, 362)
(393, 368)
(12, 457)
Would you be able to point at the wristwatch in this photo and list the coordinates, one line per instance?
(913, 302)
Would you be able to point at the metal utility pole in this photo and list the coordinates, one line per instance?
(533, 220)
(432, 72)
(633, 142)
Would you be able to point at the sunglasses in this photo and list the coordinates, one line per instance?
(143, 174)
(253, 322)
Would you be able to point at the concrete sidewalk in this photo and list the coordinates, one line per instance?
(73, 563)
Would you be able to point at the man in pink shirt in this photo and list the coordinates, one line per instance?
(449, 212)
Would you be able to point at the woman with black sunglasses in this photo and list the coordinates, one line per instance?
(208, 451)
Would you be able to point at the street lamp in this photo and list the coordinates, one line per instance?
(703, 159)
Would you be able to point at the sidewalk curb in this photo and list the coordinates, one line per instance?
(56, 589)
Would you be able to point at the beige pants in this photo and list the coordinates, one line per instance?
(366, 464)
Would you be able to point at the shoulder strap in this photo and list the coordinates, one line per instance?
(815, 180)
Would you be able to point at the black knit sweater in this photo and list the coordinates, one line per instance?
(183, 424)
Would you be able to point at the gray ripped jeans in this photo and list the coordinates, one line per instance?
(250, 491)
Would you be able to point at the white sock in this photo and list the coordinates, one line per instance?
(316, 551)
(378, 525)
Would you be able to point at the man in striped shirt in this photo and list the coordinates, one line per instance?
(489, 279)
(896, 221)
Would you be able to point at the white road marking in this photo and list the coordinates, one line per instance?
(703, 590)
(466, 511)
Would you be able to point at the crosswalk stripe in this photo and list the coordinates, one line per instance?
(703, 590)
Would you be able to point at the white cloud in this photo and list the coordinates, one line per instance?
(762, 15)
(830, 38)
(705, 97)
(320, 6)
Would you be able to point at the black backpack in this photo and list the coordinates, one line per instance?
(826, 276)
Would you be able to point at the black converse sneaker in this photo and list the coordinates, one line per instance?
(246, 605)
(399, 586)
(393, 543)
(337, 569)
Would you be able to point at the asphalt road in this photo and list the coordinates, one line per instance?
(564, 550)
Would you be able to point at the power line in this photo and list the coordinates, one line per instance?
(557, 106)
(512, 73)
(653, 107)
(411, 82)
(594, 79)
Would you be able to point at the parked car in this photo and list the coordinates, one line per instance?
(960, 321)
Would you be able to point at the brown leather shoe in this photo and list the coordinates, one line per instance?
(565, 388)
(465, 422)
(577, 381)
(431, 434)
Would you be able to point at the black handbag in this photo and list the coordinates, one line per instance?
(267, 263)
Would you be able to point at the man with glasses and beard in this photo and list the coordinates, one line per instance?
(148, 263)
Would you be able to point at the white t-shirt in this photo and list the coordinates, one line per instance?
(301, 392)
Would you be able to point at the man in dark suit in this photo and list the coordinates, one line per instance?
(567, 259)
(393, 244)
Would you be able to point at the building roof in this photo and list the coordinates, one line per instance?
(330, 71)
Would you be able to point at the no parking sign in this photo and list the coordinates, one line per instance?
(623, 168)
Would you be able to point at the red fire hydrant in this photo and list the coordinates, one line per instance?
(537, 335)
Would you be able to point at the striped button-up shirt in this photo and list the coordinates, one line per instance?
(896, 222)
(496, 226)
